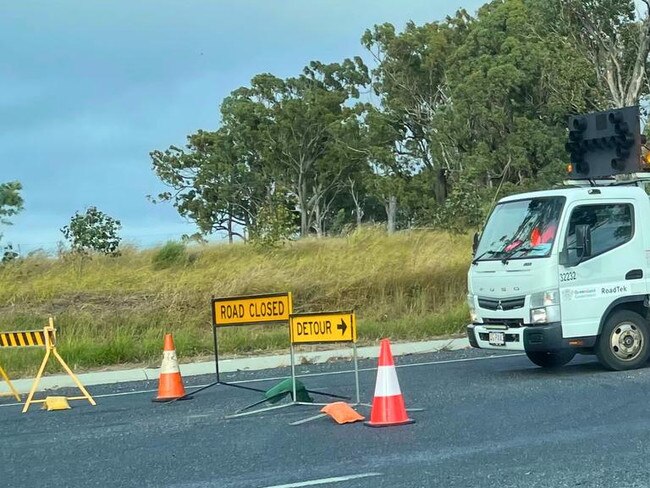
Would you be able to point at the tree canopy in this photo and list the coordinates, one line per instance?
(433, 124)
(10, 200)
(93, 231)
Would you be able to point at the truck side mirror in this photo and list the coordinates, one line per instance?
(564, 258)
(582, 247)
(475, 243)
(583, 240)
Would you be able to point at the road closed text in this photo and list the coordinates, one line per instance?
(252, 310)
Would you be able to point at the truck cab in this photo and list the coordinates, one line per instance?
(565, 271)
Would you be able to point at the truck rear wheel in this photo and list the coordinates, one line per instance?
(551, 359)
(623, 342)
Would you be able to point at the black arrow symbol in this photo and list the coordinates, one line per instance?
(342, 327)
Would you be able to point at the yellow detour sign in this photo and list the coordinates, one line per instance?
(29, 338)
(254, 309)
(318, 327)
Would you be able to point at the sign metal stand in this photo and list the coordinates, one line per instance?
(271, 308)
(315, 328)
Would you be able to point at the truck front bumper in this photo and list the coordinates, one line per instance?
(546, 337)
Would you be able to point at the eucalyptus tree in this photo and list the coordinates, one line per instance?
(303, 129)
(212, 182)
(614, 36)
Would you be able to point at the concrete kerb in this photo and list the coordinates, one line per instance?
(239, 364)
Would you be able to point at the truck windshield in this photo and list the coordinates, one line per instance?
(521, 229)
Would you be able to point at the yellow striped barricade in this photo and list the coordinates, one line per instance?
(30, 338)
(45, 338)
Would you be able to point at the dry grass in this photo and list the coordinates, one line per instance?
(406, 286)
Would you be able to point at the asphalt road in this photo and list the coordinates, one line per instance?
(489, 421)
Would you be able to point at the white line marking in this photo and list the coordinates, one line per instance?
(458, 360)
(306, 375)
(325, 481)
(345, 371)
(412, 365)
(124, 393)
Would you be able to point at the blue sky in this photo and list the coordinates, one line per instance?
(88, 89)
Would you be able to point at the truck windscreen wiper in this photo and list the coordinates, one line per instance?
(486, 253)
(509, 254)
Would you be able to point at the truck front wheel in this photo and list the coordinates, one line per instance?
(623, 342)
(551, 359)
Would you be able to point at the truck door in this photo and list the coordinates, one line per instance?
(614, 269)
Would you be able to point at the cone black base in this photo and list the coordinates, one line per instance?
(178, 399)
(406, 422)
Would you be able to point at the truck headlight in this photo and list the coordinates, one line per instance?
(545, 298)
(545, 307)
(538, 315)
(472, 309)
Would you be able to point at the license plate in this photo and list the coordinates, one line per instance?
(497, 339)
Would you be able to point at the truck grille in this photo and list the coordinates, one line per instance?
(507, 322)
(506, 303)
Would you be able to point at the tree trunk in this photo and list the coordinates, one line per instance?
(230, 236)
(302, 200)
(357, 203)
(440, 186)
(391, 213)
(635, 84)
(318, 222)
(247, 226)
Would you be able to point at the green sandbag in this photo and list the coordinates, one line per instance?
(284, 388)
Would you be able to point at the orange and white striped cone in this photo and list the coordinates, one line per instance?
(388, 403)
(170, 382)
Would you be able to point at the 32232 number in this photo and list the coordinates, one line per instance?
(568, 276)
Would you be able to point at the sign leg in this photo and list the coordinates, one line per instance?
(216, 352)
(309, 419)
(293, 374)
(36, 381)
(11, 387)
(74, 378)
(356, 371)
(261, 410)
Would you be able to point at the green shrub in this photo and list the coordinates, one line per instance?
(171, 254)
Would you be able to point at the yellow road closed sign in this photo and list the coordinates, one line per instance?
(252, 309)
(310, 328)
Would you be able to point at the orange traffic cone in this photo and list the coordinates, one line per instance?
(388, 403)
(170, 383)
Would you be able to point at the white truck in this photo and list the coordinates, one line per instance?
(566, 271)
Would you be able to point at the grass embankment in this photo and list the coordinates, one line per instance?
(406, 286)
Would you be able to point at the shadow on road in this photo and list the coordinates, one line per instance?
(586, 365)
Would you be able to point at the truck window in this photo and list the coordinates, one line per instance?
(611, 226)
(521, 229)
